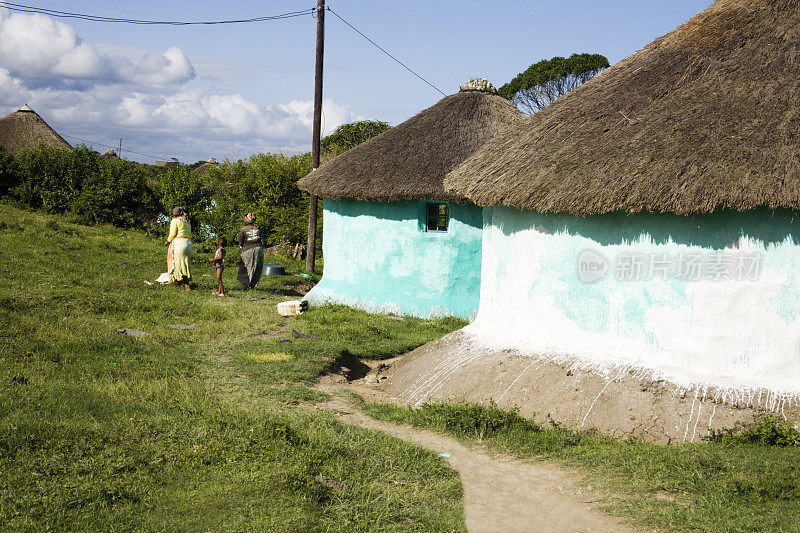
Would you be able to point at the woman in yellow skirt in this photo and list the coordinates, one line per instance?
(180, 249)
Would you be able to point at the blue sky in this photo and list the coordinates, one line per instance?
(230, 91)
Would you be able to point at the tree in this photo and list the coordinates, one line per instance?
(179, 186)
(265, 184)
(51, 177)
(8, 178)
(118, 193)
(544, 82)
(347, 136)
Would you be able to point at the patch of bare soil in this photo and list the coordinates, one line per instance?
(500, 493)
(280, 331)
(621, 404)
(302, 288)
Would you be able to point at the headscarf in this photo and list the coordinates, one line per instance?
(249, 218)
(178, 212)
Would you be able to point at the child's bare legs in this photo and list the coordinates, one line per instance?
(219, 281)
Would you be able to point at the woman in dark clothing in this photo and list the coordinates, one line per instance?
(251, 262)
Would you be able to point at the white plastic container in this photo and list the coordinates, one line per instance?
(291, 308)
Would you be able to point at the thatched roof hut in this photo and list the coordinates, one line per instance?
(705, 117)
(110, 155)
(24, 128)
(205, 167)
(409, 161)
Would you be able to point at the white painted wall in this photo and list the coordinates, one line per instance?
(729, 333)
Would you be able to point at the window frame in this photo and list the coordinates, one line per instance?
(437, 216)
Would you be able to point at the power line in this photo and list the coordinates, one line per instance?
(97, 18)
(157, 158)
(385, 52)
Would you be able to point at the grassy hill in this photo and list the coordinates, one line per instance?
(186, 429)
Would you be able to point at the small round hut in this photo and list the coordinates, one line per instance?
(205, 167)
(395, 240)
(110, 155)
(24, 128)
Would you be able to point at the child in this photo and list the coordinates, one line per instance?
(219, 262)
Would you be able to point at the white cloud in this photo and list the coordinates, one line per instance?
(154, 100)
(9, 85)
(43, 52)
(333, 115)
(230, 115)
(34, 44)
(233, 112)
(171, 66)
(82, 61)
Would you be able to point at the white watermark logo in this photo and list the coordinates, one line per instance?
(631, 266)
(591, 266)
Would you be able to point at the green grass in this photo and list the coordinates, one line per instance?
(202, 429)
(687, 487)
(208, 429)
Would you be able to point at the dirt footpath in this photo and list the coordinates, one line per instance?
(500, 493)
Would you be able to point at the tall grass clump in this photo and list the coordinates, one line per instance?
(768, 431)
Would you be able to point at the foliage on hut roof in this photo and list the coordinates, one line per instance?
(703, 118)
(24, 128)
(409, 161)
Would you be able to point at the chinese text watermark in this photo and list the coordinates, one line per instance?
(687, 266)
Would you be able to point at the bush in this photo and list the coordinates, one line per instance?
(349, 136)
(768, 431)
(473, 420)
(179, 186)
(117, 194)
(265, 184)
(51, 178)
(129, 194)
(8, 178)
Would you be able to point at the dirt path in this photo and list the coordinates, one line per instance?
(500, 493)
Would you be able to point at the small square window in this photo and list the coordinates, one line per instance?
(437, 217)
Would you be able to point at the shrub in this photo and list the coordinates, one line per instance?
(51, 178)
(474, 420)
(117, 194)
(350, 135)
(8, 178)
(768, 431)
(179, 186)
(265, 184)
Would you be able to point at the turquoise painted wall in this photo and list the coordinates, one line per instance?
(379, 258)
(726, 332)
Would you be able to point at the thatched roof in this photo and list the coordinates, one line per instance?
(110, 155)
(705, 117)
(410, 160)
(205, 167)
(26, 129)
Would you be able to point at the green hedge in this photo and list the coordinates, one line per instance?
(133, 195)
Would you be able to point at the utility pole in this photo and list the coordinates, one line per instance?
(312, 207)
(119, 153)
